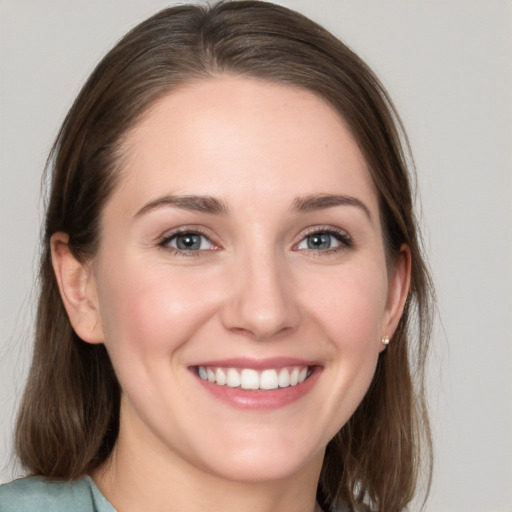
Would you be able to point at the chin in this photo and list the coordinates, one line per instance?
(266, 469)
(270, 459)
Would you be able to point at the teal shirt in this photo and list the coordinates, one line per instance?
(36, 494)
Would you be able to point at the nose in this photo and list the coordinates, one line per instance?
(261, 301)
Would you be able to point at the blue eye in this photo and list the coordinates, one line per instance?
(187, 241)
(324, 240)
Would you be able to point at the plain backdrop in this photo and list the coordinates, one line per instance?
(448, 67)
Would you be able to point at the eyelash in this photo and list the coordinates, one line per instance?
(167, 239)
(345, 241)
(341, 236)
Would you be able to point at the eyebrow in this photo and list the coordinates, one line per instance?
(204, 204)
(321, 202)
(214, 206)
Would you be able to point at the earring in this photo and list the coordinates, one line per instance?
(385, 340)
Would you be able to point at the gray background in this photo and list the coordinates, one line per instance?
(448, 66)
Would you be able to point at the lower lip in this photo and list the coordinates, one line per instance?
(261, 400)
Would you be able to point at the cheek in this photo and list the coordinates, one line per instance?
(351, 305)
(151, 309)
(345, 308)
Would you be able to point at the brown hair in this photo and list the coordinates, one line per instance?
(68, 422)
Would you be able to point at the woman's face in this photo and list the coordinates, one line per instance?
(241, 283)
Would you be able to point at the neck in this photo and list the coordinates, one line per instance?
(173, 491)
(143, 477)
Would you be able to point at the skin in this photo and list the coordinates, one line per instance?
(255, 289)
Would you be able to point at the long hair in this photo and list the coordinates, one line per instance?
(69, 417)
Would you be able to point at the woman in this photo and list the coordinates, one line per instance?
(230, 268)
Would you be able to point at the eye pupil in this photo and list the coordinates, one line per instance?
(188, 241)
(319, 241)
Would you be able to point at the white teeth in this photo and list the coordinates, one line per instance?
(220, 377)
(251, 379)
(294, 377)
(284, 378)
(268, 380)
(233, 378)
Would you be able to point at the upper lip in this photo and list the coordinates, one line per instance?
(257, 363)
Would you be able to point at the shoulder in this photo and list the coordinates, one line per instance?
(36, 494)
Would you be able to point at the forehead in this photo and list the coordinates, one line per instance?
(229, 135)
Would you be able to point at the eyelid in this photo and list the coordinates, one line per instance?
(343, 237)
(164, 240)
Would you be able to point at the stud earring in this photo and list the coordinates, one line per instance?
(385, 340)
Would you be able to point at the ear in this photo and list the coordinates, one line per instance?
(77, 288)
(399, 283)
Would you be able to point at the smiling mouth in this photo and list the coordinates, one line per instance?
(251, 379)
